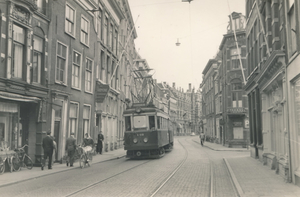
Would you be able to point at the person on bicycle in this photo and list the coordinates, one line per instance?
(202, 138)
(88, 144)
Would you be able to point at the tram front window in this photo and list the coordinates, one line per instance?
(139, 122)
(151, 122)
(128, 123)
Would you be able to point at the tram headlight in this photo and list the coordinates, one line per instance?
(145, 140)
(135, 140)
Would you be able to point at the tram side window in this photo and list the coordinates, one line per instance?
(158, 122)
(151, 122)
(128, 123)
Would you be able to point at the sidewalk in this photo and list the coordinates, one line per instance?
(251, 178)
(10, 178)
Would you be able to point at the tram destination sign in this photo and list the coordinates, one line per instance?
(101, 91)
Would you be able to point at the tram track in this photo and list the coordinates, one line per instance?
(103, 180)
(158, 188)
(164, 182)
(212, 176)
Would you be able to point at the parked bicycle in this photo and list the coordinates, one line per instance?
(21, 159)
(8, 158)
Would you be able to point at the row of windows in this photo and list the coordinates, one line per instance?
(19, 50)
(73, 119)
(146, 122)
(77, 64)
(105, 29)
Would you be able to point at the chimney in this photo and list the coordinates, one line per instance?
(190, 87)
(173, 84)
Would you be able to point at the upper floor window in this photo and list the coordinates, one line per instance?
(41, 4)
(70, 20)
(88, 75)
(18, 51)
(105, 29)
(292, 22)
(237, 91)
(115, 42)
(111, 27)
(76, 69)
(84, 33)
(99, 24)
(37, 59)
(61, 62)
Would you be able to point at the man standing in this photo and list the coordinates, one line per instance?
(48, 150)
(70, 148)
(202, 138)
(100, 143)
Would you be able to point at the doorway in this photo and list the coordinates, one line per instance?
(56, 136)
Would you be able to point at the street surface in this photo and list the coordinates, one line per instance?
(188, 170)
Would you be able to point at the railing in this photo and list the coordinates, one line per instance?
(236, 110)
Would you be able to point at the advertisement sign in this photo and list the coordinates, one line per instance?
(101, 91)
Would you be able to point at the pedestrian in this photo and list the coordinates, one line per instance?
(100, 143)
(202, 138)
(48, 150)
(70, 149)
(54, 150)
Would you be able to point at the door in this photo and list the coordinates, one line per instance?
(56, 135)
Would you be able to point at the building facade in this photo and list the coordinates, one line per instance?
(24, 51)
(229, 83)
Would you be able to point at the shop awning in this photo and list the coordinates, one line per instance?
(18, 97)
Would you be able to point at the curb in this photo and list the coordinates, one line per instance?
(222, 149)
(66, 169)
(234, 179)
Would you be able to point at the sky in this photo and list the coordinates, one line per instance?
(198, 26)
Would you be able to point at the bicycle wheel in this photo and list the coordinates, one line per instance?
(28, 162)
(15, 163)
(2, 166)
(82, 161)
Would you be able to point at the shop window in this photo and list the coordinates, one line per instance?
(238, 133)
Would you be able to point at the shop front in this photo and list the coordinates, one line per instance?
(19, 125)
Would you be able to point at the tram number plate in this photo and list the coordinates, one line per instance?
(140, 134)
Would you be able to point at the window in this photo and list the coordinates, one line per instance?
(84, 33)
(105, 30)
(115, 42)
(70, 20)
(151, 122)
(108, 68)
(41, 4)
(237, 93)
(292, 22)
(76, 70)
(37, 59)
(18, 51)
(88, 75)
(158, 122)
(111, 27)
(86, 119)
(61, 60)
(139, 122)
(128, 123)
(99, 24)
(73, 118)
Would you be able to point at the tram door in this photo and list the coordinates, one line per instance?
(56, 135)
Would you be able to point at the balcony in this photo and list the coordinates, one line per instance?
(236, 110)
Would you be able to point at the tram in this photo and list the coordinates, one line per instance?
(148, 131)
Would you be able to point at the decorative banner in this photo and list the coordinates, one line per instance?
(101, 91)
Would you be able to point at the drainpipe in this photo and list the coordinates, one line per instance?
(288, 128)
